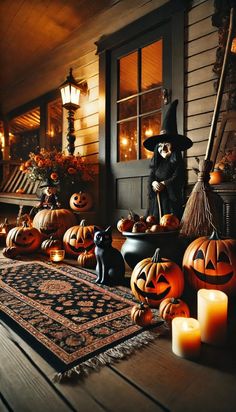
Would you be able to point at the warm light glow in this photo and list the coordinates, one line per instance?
(70, 94)
(3, 230)
(148, 132)
(57, 255)
(124, 141)
(233, 46)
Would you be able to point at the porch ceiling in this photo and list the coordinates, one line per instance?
(30, 31)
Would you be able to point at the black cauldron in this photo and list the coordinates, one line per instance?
(139, 246)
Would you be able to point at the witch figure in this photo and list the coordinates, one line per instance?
(167, 169)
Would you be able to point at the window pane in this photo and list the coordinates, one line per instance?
(128, 108)
(151, 66)
(24, 134)
(54, 124)
(150, 126)
(151, 101)
(128, 66)
(127, 140)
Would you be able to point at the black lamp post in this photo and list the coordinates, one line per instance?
(70, 93)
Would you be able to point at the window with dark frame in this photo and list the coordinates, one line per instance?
(139, 104)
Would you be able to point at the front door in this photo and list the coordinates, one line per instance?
(141, 73)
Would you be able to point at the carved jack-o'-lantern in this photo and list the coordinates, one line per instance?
(54, 222)
(79, 239)
(154, 279)
(25, 239)
(81, 201)
(210, 263)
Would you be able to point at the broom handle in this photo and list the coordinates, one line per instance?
(159, 205)
(220, 90)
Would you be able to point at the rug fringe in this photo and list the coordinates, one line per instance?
(110, 356)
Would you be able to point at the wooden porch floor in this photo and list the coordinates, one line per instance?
(152, 379)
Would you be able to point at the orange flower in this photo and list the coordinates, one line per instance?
(22, 167)
(40, 163)
(54, 176)
(71, 170)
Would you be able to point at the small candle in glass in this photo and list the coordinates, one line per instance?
(186, 339)
(212, 309)
(57, 255)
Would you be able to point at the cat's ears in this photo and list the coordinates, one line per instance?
(97, 229)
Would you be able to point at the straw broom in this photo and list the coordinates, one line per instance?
(199, 217)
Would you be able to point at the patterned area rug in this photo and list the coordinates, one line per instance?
(66, 315)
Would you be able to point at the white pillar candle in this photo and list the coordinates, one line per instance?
(186, 339)
(212, 308)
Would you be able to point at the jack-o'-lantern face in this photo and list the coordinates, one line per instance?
(210, 263)
(25, 239)
(154, 279)
(81, 201)
(79, 239)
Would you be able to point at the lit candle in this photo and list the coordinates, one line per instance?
(186, 339)
(57, 255)
(212, 307)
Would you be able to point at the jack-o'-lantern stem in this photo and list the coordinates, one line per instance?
(157, 256)
(214, 235)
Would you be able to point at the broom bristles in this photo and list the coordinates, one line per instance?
(199, 217)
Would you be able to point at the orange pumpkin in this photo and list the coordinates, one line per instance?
(141, 314)
(171, 307)
(50, 244)
(54, 222)
(81, 201)
(125, 225)
(25, 239)
(216, 177)
(210, 263)
(79, 239)
(169, 221)
(10, 252)
(87, 260)
(154, 279)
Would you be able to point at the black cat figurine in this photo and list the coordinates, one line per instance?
(110, 263)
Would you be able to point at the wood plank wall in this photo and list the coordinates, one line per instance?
(86, 117)
(201, 41)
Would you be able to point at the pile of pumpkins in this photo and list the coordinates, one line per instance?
(156, 282)
(53, 229)
(141, 224)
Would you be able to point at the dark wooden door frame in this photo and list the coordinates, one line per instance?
(173, 12)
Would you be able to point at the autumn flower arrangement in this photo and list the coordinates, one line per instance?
(59, 168)
(227, 165)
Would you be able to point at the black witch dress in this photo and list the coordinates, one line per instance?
(171, 171)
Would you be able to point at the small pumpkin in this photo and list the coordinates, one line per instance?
(87, 260)
(139, 227)
(25, 239)
(10, 252)
(125, 225)
(50, 244)
(54, 222)
(210, 263)
(153, 279)
(81, 202)
(216, 177)
(78, 239)
(141, 314)
(169, 221)
(172, 307)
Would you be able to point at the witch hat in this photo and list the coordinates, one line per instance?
(169, 132)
